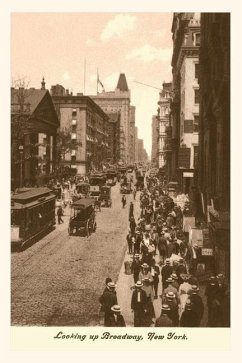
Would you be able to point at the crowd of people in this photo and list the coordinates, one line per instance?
(164, 267)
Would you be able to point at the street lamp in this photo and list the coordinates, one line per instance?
(21, 151)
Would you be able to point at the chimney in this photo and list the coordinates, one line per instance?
(43, 84)
(67, 92)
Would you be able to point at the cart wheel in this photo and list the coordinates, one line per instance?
(87, 229)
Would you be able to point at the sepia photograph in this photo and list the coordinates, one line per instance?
(120, 169)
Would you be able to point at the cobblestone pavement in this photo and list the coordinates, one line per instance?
(58, 280)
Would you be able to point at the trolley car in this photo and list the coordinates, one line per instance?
(32, 215)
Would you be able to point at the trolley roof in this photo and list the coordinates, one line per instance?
(29, 195)
(83, 203)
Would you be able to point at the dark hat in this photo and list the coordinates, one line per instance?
(165, 307)
(108, 279)
(146, 279)
(139, 284)
(116, 308)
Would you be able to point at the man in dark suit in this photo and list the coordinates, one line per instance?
(197, 303)
(164, 320)
(189, 318)
(181, 269)
(139, 304)
(166, 272)
(135, 267)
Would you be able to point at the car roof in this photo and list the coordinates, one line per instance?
(83, 203)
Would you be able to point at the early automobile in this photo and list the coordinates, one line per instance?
(82, 217)
(105, 196)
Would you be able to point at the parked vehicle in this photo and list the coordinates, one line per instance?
(105, 196)
(83, 189)
(82, 217)
(32, 215)
(139, 182)
(111, 177)
(96, 182)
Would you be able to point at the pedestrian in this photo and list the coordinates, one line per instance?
(145, 272)
(130, 242)
(155, 273)
(132, 225)
(170, 288)
(150, 311)
(107, 300)
(164, 320)
(162, 247)
(166, 272)
(139, 304)
(59, 215)
(189, 318)
(131, 210)
(135, 267)
(170, 300)
(175, 283)
(183, 291)
(181, 269)
(123, 201)
(116, 318)
(134, 193)
(197, 303)
(138, 240)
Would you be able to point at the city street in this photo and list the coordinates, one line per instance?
(59, 280)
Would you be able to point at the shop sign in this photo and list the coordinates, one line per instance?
(188, 174)
(207, 252)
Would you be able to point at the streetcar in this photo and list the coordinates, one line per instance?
(105, 196)
(32, 215)
(96, 182)
(82, 217)
(111, 177)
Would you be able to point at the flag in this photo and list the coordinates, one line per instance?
(99, 82)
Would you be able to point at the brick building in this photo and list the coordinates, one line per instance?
(114, 138)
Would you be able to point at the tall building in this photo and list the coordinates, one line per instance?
(87, 124)
(214, 133)
(142, 154)
(131, 138)
(136, 145)
(164, 132)
(114, 138)
(154, 149)
(185, 104)
(34, 124)
(118, 101)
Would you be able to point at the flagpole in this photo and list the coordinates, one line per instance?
(97, 81)
(84, 76)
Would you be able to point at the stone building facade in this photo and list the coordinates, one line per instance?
(214, 133)
(185, 102)
(87, 125)
(154, 149)
(118, 101)
(34, 125)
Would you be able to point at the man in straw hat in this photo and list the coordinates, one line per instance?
(170, 288)
(116, 318)
(107, 300)
(135, 267)
(166, 272)
(139, 304)
(164, 320)
(197, 303)
(170, 300)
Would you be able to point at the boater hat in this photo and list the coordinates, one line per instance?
(170, 295)
(168, 261)
(174, 276)
(194, 289)
(145, 265)
(139, 284)
(116, 308)
(146, 279)
(136, 255)
(165, 307)
(111, 285)
(169, 280)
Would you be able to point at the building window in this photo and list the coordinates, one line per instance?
(195, 123)
(73, 122)
(195, 161)
(196, 96)
(196, 39)
(73, 136)
(74, 113)
(196, 70)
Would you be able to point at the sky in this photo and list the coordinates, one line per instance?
(55, 45)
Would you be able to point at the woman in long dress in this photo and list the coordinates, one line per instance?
(184, 288)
